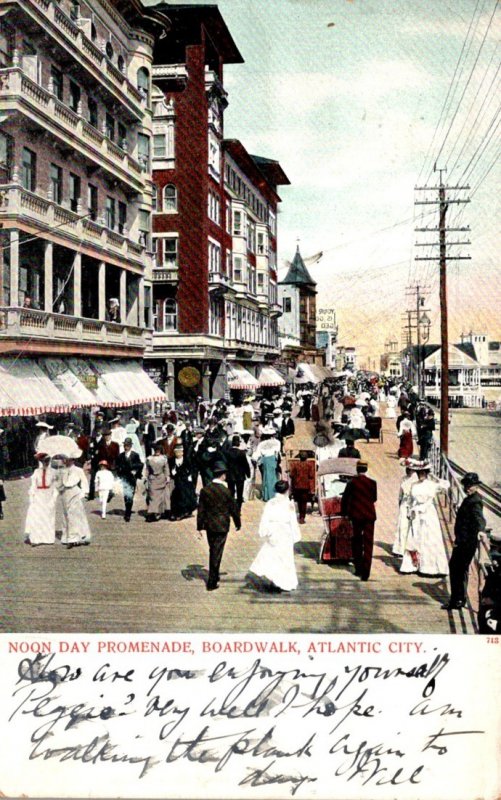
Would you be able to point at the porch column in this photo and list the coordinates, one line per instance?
(140, 301)
(132, 315)
(123, 296)
(77, 285)
(48, 277)
(102, 290)
(169, 383)
(14, 268)
(206, 381)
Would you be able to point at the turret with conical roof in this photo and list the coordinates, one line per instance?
(298, 273)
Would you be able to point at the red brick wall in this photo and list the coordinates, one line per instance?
(192, 181)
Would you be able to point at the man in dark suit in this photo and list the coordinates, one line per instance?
(357, 503)
(238, 469)
(129, 470)
(349, 451)
(288, 428)
(216, 507)
(470, 522)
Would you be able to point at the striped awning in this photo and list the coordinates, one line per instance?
(311, 373)
(269, 376)
(240, 378)
(68, 382)
(26, 390)
(126, 383)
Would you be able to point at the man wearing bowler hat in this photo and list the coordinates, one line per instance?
(357, 503)
(216, 507)
(470, 522)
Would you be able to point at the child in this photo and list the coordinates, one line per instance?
(104, 484)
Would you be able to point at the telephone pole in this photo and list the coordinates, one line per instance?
(443, 201)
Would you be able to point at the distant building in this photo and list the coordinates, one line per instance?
(346, 358)
(390, 360)
(488, 354)
(297, 295)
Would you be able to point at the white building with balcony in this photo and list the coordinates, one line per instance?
(75, 183)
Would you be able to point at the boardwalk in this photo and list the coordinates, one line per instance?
(151, 578)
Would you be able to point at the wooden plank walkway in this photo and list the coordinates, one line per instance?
(151, 577)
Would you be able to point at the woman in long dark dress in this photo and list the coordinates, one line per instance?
(183, 499)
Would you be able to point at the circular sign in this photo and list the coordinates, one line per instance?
(189, 376)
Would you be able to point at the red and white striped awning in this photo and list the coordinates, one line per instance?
(127, 382)
(269, 376)
(26, 390)
(240, 378)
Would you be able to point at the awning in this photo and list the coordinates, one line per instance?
(68, 382)
(240, 378)
(126, 383)
(270, 377)
(26, 390)
(311, 373)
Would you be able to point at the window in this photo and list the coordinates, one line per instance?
(29, 170)
(154, 199)
(237, 223)
(143, 151)
(170, 199)
(74, 191)
(214, 154)
(6, 143)
(122, 217)
(159, 145)
(237, 269)
(56, 182)
(121, 63)
(143, 83)
(261, 242)
(93, 202)
(30, 62)
(75, 95)
(57, 82)
(92, 110)
(110, 213)
(144, 225)
(109, 50)
(6, 46)
(170, 314)
(287, 305)
(170, 251)
(109, 127)
(260, 280)
(93, 32)
(228, 217)
(74, 9)
(214, 257)
(122, 136)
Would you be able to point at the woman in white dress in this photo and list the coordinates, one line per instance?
(391, 405)
(279, 530)
(73, 487)
(424, 549)
(40, 526)
(404, 509)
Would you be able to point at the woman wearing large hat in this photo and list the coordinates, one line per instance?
(424, 548)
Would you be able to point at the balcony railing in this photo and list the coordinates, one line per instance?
(166, 274)
(16, 201)
(15, 83)
(218, 280)
(49, 14)
(20, 322)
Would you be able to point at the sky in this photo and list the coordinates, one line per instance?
(357, 99)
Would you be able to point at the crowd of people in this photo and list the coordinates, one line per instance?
(205, 456)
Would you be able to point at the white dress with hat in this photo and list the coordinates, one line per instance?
(424, 549)
(73, 487)
(279, 530)
(403, 514)
(40, 525)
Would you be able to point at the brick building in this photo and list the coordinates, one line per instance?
(214, 222)
(75, 198)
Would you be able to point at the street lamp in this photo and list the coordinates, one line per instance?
(424, 325)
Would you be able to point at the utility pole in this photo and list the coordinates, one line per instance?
(443, 203)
